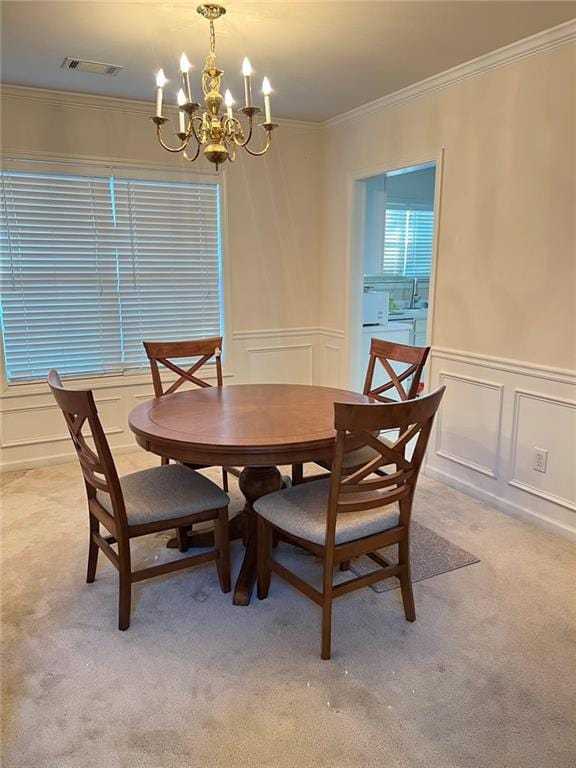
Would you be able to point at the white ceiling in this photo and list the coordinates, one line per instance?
(322, 58)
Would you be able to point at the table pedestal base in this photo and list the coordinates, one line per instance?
(254, 482)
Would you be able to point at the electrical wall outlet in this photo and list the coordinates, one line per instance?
(540, 459)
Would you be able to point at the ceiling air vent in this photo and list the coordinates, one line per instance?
(95, 67)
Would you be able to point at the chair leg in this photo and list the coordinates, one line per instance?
(92, 551)
(327, 605)
(224, 480)
(406, 580)
(222, 542)
(125, 585)
(183, 539)
(297, 473)
(326, 626)
(264, 539)
(164, 460)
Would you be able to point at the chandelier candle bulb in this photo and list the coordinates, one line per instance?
(181, 116)
(185, 69)
(228, 100)
(160, 83)
(267, 90)
(247, 71)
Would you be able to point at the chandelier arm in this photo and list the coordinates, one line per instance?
(232, 152)
(166, 147)
(245, 138)
(232, 127)
(192, 128)
(258, 153)
(191, 159)
(243, 142)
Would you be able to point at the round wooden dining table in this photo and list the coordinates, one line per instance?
(255, 426)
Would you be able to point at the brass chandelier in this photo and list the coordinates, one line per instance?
(218, 136)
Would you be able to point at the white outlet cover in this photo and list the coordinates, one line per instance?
(540, 459)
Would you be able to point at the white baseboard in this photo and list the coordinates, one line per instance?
(503, 505)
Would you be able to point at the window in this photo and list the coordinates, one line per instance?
(408, 235)
(93, 265)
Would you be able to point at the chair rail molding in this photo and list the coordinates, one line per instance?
(286, 332)
(495, 414)
(561, 375)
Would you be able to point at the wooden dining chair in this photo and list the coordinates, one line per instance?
(163, 353)
(406, 385)
(137, 504)
(354, 514)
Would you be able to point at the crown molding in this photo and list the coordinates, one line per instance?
(521, 49)
(529, 46)
(84, 101)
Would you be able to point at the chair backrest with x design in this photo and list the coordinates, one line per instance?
(81, 416)
(363, 489)
(407, 382)
(164, 352)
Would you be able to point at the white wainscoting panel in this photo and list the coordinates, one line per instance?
(541, 421)
(469, 422)
(42, 423)
(331, 371)
(332, 364)
(495, 412)
(282, 364)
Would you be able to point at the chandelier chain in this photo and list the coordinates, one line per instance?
(212, 37)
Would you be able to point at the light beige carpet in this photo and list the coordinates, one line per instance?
(483, 679)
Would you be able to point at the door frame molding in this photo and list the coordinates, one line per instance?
(355, 254)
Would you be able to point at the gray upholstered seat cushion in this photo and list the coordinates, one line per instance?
(302, 510)
(360, 456)
(166, 492)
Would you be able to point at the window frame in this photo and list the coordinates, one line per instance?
(105, 169)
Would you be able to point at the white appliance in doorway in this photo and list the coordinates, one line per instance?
(375, 307)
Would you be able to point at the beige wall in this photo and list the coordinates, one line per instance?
(506, 280)
(274, 201)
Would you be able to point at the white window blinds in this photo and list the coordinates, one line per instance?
(408, 237)
(91, 266)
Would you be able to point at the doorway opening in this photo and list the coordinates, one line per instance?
(394, 254)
